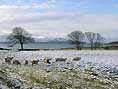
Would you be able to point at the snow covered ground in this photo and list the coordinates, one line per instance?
(101, 65)
(100, 57)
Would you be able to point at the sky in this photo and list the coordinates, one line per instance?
(57, 18)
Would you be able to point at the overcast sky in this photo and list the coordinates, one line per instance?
(57, 18)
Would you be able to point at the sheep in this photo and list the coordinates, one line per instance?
(61, 59)
(8, 60)
(16, 62)
(35, 62)
(47, 60)
(26, 62)
(76, 58)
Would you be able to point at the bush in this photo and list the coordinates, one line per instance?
(107, 48)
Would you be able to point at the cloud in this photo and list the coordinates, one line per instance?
(27, 7)
(51, 19)
(60, 24)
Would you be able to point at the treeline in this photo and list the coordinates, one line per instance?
(78, 37)
(21, 36)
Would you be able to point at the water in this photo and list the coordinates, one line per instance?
(40, 46)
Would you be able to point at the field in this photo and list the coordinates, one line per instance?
(95, 70)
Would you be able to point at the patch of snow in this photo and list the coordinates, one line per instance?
(102, 57)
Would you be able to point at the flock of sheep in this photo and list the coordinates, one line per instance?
(11, 60)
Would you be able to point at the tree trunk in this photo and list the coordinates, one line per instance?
(95, 46)
(21, 45)
(78, 47)
(91, 45)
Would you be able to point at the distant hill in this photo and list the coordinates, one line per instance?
(116, 42)
(53, 41)
(4, 43)
(113, 43)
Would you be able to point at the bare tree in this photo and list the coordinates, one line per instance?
(98, 40)
(91, 37)
(76, 38)
(20, 36)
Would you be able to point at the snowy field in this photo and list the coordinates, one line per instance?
(99, 59)
(100, 68)
(105, 57)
